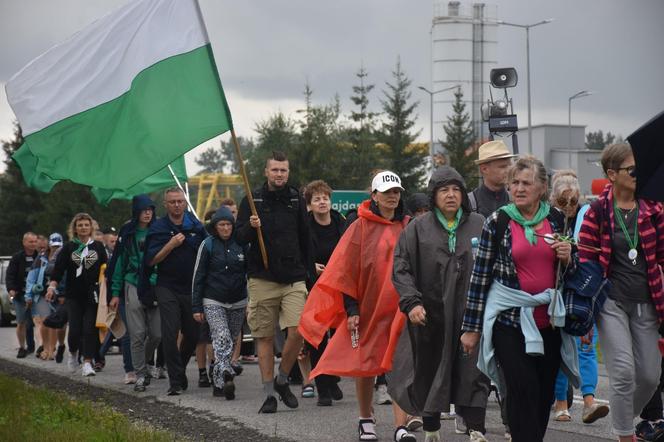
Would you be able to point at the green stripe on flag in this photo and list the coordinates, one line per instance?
(172, 107)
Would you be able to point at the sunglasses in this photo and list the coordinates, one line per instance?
(628, 169)
(564, 202)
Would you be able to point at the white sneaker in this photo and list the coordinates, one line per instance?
(460, 426)
(382, 396)
(476, 436)
(88, 370)
(432, 436)
(130, 378)
(72, 362)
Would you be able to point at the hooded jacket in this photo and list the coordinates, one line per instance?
(220, 272)
(125, 264)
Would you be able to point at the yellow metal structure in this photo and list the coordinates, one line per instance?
(211, 189)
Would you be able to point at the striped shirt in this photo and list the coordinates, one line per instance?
(490, 265)
(651, 238)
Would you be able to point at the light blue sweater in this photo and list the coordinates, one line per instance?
(501, 298)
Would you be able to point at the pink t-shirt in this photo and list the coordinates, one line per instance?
(534, 266)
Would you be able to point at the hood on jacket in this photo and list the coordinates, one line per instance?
(223, 213)
(140, 203)
(416, 202)
(443, 176)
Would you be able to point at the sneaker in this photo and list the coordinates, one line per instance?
(59, 354)
(476, 436)
(159, 373)
(460, 426)
(99, 366)
(130, 378)
(237, 368)
(594, 412)
(269, 406)
(88, 370)
(285, 394)
(229, 386)
(324, 398)
(401, 434)
(308, 391)
(413, 423)
(203, 380)
(336, 392)
(39, 351)
(647, 431)
(175, 390)
(382, 396)
(217, 392)
(140, 384)
(72, 362)
(432, 436)
(22, 352)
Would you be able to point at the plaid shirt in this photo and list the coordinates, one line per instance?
(490, 265)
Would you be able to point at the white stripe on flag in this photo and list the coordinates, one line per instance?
(98, 64)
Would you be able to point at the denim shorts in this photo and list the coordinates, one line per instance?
(21, 309)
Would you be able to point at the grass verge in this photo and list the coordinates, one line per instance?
(29, 413)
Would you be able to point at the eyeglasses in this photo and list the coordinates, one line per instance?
(564, 202)
(628, 169)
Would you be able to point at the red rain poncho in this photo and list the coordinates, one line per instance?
(360, 267)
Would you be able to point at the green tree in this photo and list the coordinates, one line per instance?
(401, 155)
(597, 140)
(460, 140)
(362, 155)
(211, 160)
(228, 149)
(277, 132)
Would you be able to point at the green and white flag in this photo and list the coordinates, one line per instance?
(121, 99)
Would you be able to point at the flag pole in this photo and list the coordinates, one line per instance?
(250, 198)
(186, 195)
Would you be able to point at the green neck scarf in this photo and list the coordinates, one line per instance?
(80, 245)
(527, 225)
(451, 229)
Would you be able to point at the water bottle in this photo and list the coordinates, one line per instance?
(475, 245)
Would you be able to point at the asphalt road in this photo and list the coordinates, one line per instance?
(308, 422)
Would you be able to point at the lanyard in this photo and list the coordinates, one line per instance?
(633, 242)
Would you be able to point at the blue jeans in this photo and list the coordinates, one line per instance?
(125, 344)
(587, 368)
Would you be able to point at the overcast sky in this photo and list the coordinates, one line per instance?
(267, 50)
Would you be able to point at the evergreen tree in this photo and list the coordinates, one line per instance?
(401, 155)
(362, 156)
(460, 140)
(211, 160)
(228, 150)
(597, 140)
(278, 132)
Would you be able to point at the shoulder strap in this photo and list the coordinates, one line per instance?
(473, 201)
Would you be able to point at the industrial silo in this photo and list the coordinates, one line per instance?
(464, 50)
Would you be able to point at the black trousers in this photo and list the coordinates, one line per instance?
(530, 380)
(83, 334)
(653, 410)
(176, 316)
(323, 381)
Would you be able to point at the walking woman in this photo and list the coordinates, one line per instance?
(433, 261)
(630, 233)
(35, 295)
(507, 301)
(355, 295)
(565, 195)
(326, 226)
(219, 295)
(80, 259)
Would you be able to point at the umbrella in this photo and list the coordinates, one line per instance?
(648, 146)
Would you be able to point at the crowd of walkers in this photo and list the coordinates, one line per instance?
(431, 302)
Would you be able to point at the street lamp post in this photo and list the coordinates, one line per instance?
(431, 94)
(527, 28)
(579, 94)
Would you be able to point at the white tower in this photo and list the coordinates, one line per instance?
(463, 50)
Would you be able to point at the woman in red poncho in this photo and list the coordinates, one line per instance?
(355, 295)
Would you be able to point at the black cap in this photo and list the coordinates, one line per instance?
(110, 230)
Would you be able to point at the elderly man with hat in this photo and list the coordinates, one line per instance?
(494, 160)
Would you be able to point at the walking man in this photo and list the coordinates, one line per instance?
(278, 291)
(17, 272)
(171, 245)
